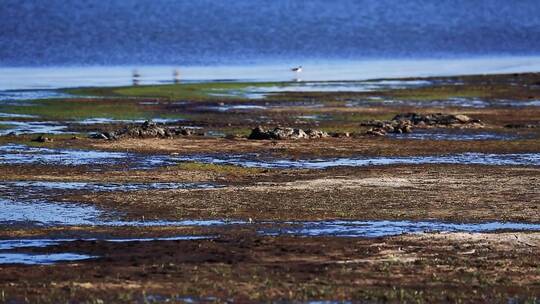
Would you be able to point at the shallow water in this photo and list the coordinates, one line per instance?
(41, 259)
(226, 108)
(340, 228)
(43, 212)
(48, 259)
(451, 102)
(11, 115)
(258, 92)
(450, 134)
(40, 243)
(102, 120)
(532, 159)
(33, 127)
(8, 96)
(39, 186)
(22, 154)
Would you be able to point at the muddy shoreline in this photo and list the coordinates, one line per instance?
(212, 216)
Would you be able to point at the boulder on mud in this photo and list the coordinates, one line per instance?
(436, 119)
(280, 133)
(381, 128)
(404, 123)
(148, 129)
(42, 139)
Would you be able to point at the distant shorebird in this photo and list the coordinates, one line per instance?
(135, 74)
(136, 77)
(297, 69)
(176, 76)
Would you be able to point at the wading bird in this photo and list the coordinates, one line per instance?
(297, 69)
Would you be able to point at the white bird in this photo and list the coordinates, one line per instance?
(297, 69)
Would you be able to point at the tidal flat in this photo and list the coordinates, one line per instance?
(336, 197)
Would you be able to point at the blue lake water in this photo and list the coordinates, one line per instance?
(99, 42)
(207, 32)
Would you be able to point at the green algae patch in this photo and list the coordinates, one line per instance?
(189, 91)
(76, 109)
(218, 168)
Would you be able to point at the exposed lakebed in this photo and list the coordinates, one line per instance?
(330, 228)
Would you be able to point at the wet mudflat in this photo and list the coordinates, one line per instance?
(447, 212)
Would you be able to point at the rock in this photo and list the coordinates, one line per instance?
(232, 136)
(288, 133)
(316, 134)
(280, 133)
(341, 134)
(376, 132)
(462, 118)
(259, 133)
(435, 119)
(43, 139)
(98, 136)
(405, 122)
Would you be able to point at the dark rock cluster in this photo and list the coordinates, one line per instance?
(404, 123)
(437, 119)
(280, 133)
(148, 129)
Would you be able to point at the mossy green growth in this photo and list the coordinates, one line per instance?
(218, 168)
(68, 109)
(188, 91)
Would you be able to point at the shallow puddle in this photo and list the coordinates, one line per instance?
(11, 257)
(463, 158)
(233, 107)
(22, 154)
(389, 228)
(30, 95)
(41, 212)
(39, 186)
(451, 102)
(33, 127)
(41, 259)
(327, 86)
(451, 134)
(102, 120)
(47, 213)
(11, 115)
